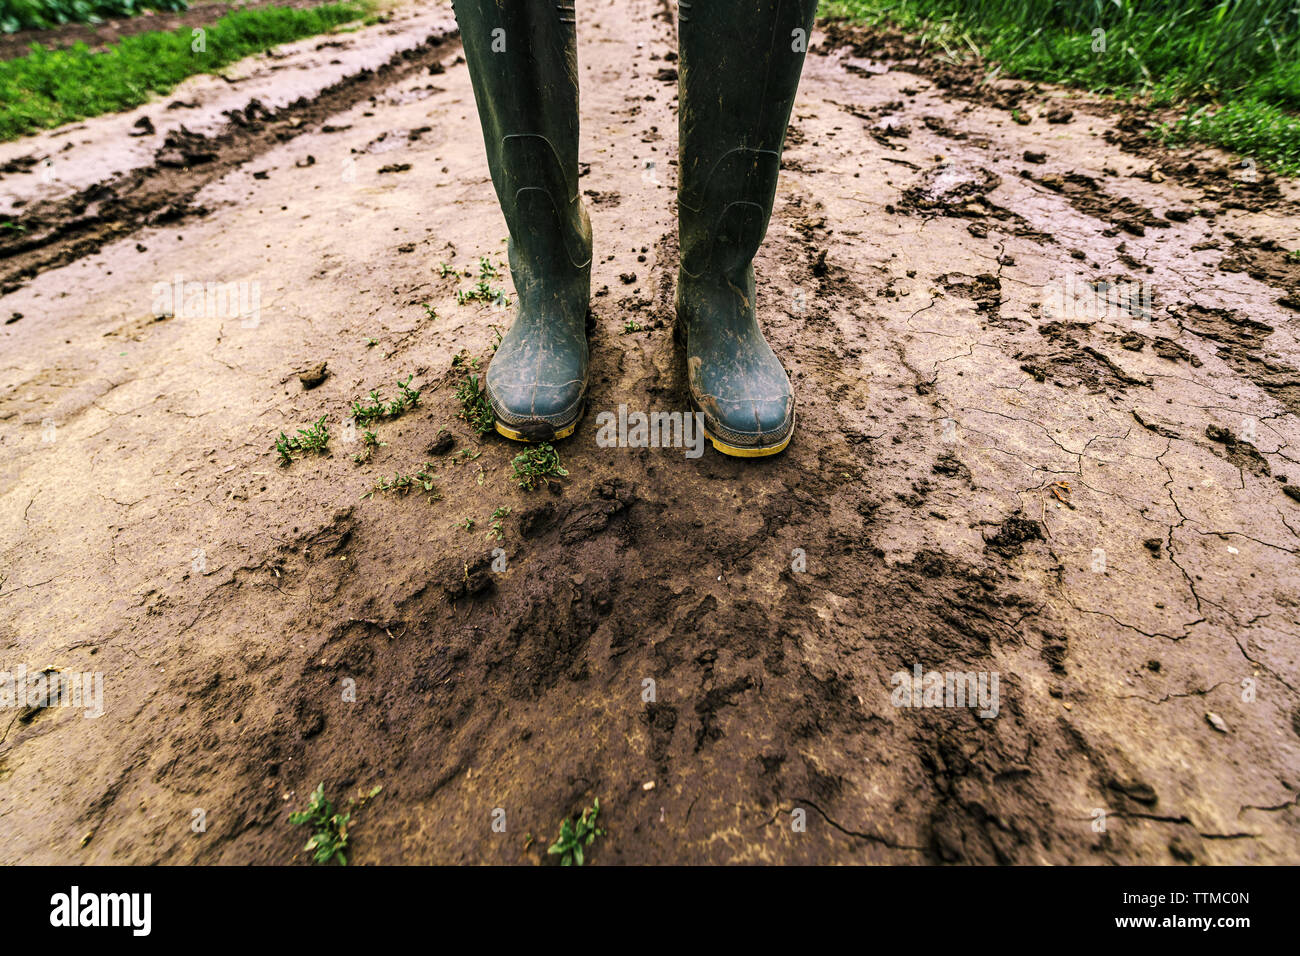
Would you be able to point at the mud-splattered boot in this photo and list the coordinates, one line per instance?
(523, 64)
(739, 69)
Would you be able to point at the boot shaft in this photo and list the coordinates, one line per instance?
(739, 67)
(522, 59)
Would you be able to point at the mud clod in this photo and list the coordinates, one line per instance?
(1013, 534)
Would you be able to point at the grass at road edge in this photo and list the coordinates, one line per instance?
(18, 15)
(48, 88)
(1233, 66)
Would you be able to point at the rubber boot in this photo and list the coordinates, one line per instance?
(523, 64)
(739, 69)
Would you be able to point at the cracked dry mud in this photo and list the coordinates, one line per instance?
(1095, 506)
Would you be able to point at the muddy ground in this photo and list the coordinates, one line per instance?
(998, 469)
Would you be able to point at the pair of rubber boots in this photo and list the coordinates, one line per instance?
(739, 66)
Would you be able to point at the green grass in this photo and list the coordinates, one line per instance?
(575, 837)
(537, 466)
(50, 87)
(380, 410)
(497, 528)
(474, 405)
(329, 827)
(402, 483)
(482, 291)
(1249, 127)
(18, 15)
(314, 438)
(1233, 65)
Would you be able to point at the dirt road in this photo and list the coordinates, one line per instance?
(1047, 383)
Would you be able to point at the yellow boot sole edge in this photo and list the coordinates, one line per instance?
(520, 436)
(736, 451)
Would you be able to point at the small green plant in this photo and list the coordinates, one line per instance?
(445, 269)
(314, 438)
(1293, 255)
(378, 409)
(574, 837)
(538, 465)
(481, 292)
(402, 483)
(474, 405)
(430, 312)
(329, 836)
(463, 361)
(467, 524)
(632, 325)
(497, 528)
(369, 442)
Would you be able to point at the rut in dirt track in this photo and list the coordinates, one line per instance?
(991, 475)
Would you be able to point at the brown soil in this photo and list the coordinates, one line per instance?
(1103, 509)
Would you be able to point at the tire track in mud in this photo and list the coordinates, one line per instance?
(51, 233)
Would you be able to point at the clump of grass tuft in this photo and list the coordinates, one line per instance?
(314, 438)
(464, 362)
(369, 442)
(574, 837)
(402, 483)
(1249, 127)
(474, 405)
(379, 410)
(329, 836)
(497, 527)
(537, 466)
(483, 291)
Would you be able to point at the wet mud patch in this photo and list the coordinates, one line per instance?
(1085, 194)
(1068, 361)
(949, 187)
(1270, 262)
(1242, 342)
(962, 191)
(1232, 183)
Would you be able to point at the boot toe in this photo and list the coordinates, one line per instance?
(752, 423)
(537, 410)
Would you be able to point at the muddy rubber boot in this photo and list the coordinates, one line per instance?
(739, 69)
(523, 64)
